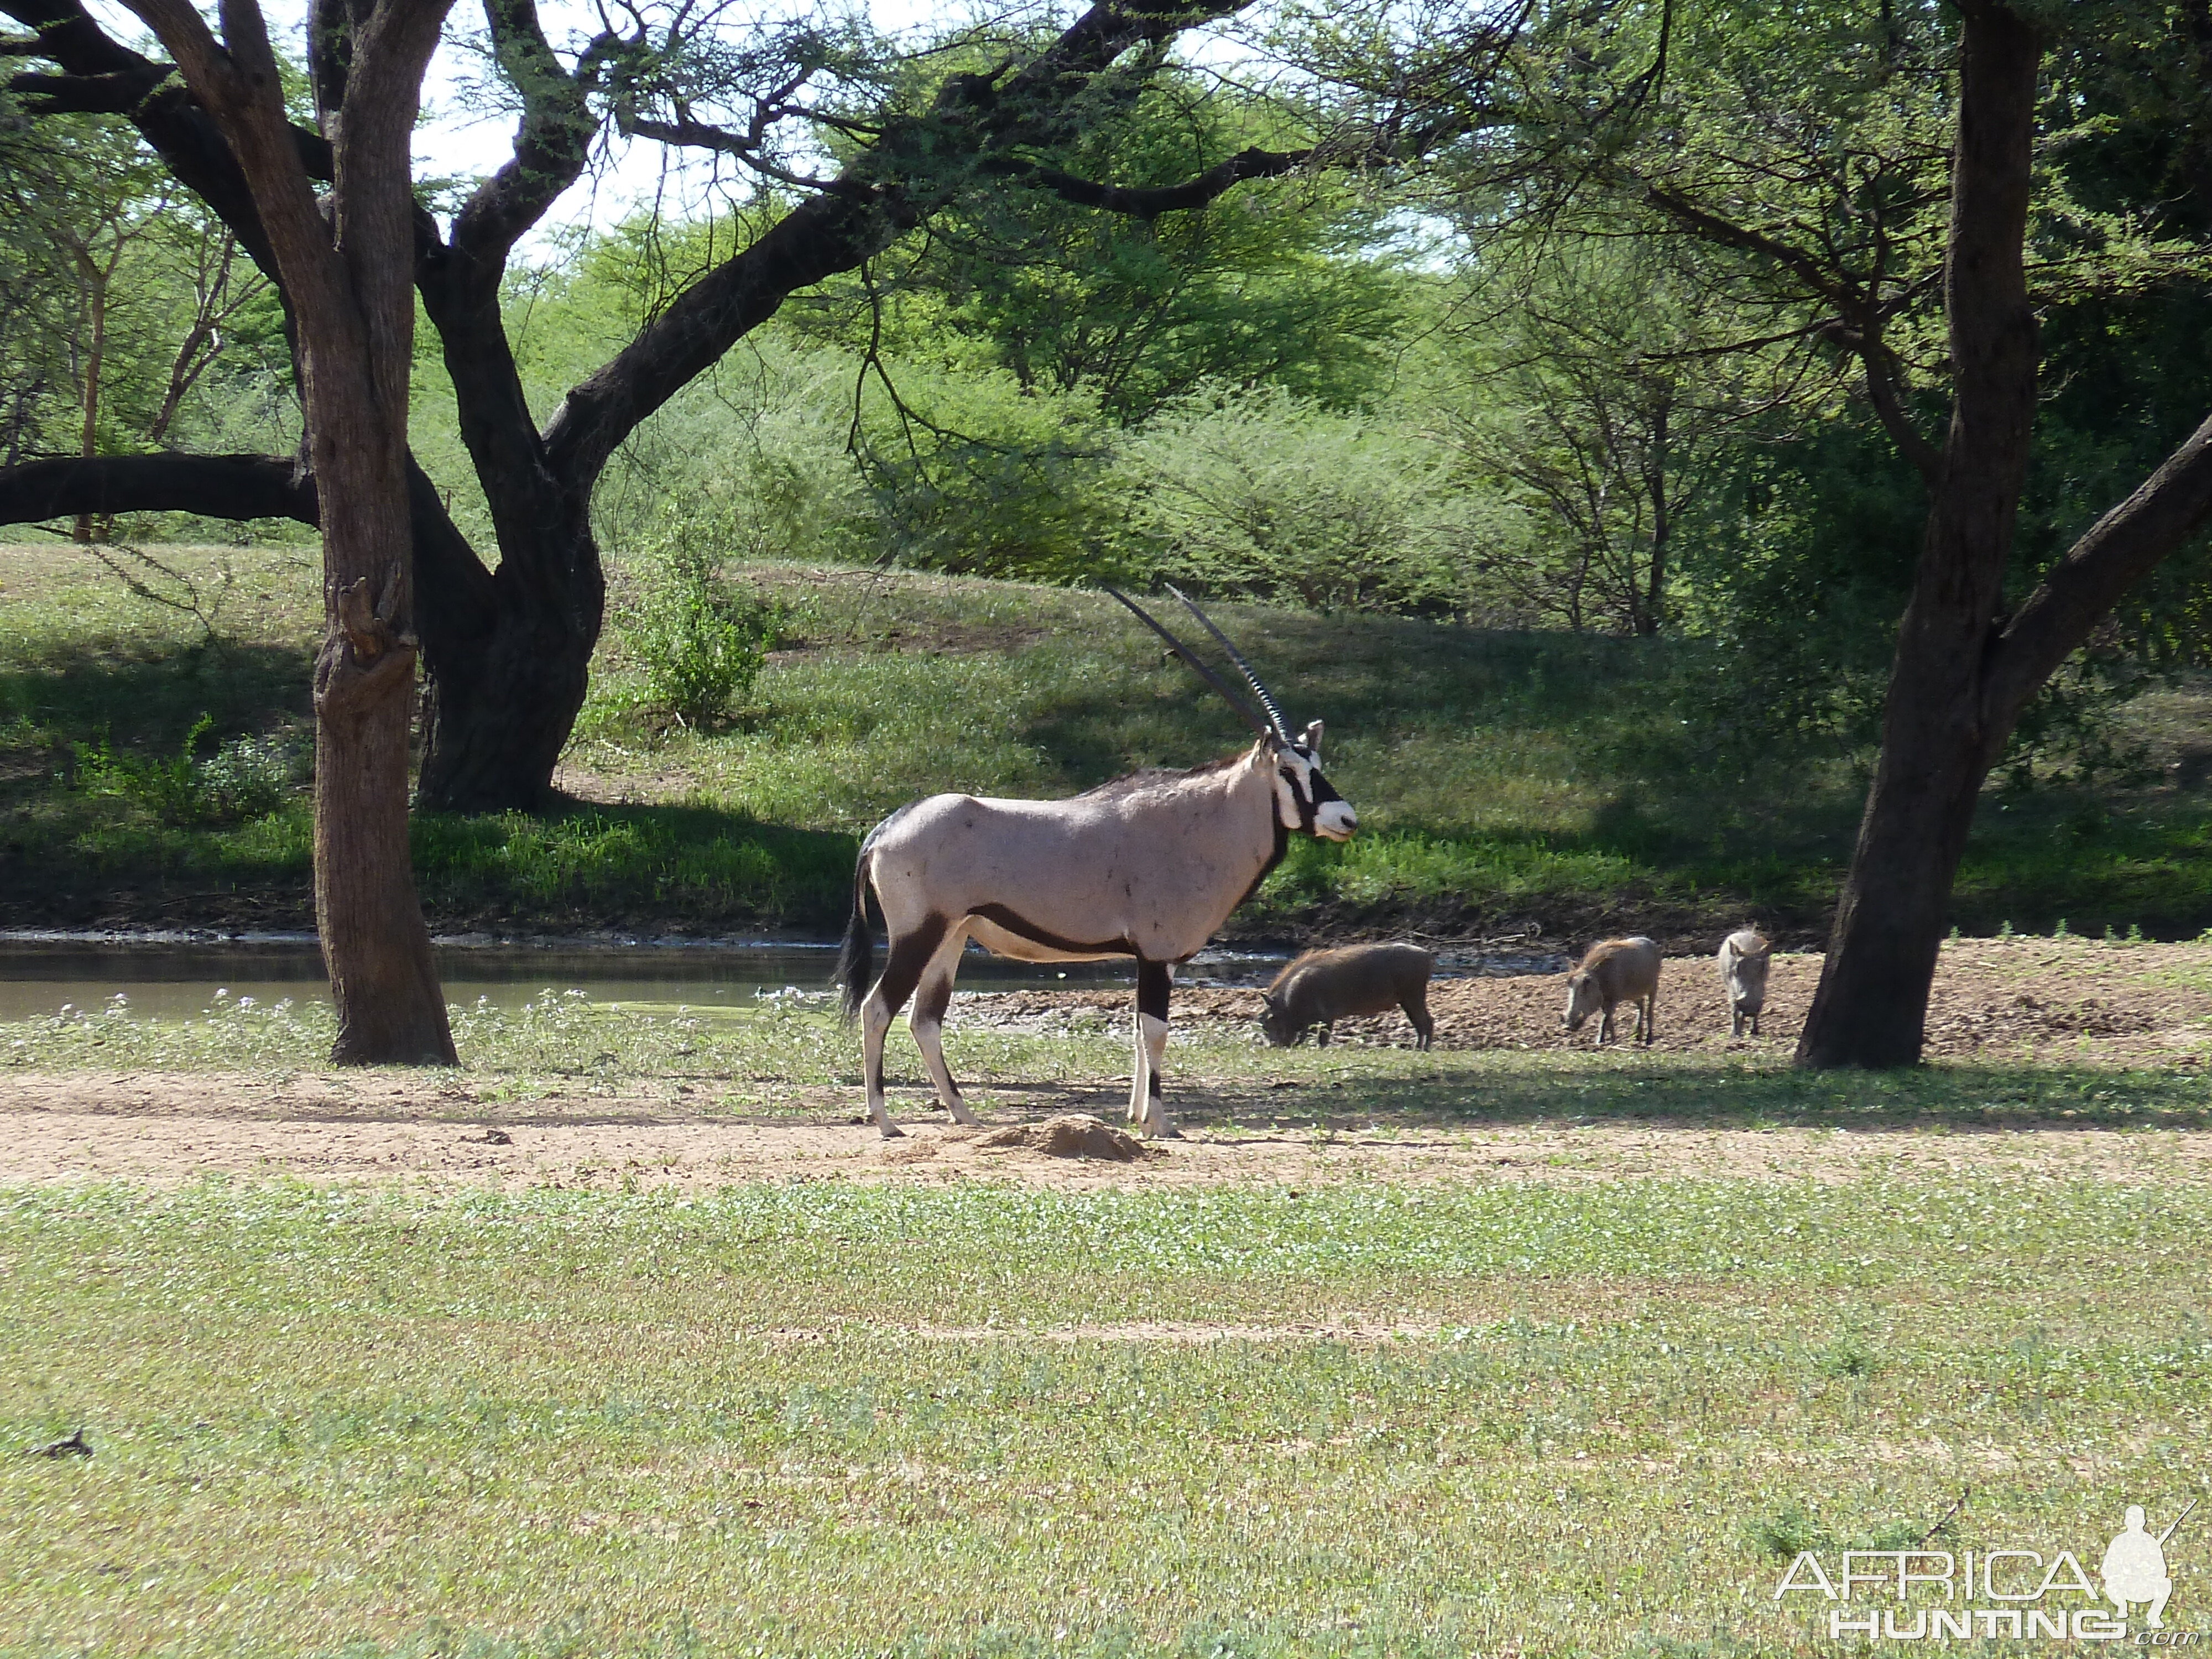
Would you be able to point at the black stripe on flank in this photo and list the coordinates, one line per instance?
(1023, 928)
(909, 958)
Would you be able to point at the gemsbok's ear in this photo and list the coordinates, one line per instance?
(1311, 742)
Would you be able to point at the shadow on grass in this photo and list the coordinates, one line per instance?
(597, 867)
(74, 694)
(1933, 1097)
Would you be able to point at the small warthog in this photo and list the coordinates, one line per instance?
(1744, 956)
(1323, 986)
(1616, 971)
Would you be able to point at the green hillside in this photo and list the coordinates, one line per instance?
(1572, 781)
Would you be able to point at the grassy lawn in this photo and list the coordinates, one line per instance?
(829, 1418)
(1500, 777)
(775, 1062)
(1594, 1408)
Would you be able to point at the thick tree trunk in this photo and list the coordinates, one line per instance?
(391, 1008)
(501, 705)
(1941, 732)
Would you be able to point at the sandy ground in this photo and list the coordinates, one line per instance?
(2069, 1001)
(162, 1128)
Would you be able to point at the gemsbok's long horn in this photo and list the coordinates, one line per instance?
(1275, 715)
(1198, 663)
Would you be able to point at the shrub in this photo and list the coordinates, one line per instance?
(756, 454)
(1258, 493)
(248, 777)
(699, 643)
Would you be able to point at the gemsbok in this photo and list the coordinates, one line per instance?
(1146, 866)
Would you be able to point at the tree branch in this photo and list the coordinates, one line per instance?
(460, 285)
(1855, 327)
(552, 142)
(116, 92)
(855, 216)
(1711, 228)
(1151, 204)
(2122, 548)
(236, 487)
(1880, 365)
(684, 133)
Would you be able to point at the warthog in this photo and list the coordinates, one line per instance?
(1744, 956)
(1323, 986)
(1616, 971)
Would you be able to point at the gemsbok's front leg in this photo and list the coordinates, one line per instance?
(926, 1021)
(1145, 1109)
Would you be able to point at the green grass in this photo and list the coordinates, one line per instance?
(752, 1061)
(364, 1423)
(1500, 777)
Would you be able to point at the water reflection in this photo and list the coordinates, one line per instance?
(177, 979)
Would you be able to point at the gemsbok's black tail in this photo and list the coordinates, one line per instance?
(856, 962)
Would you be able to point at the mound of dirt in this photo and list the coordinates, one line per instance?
(1072, 1134)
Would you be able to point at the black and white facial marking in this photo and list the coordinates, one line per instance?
(1304, 798)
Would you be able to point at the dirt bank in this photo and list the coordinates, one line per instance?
(1997, 999)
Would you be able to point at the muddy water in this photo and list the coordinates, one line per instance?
(176, 978)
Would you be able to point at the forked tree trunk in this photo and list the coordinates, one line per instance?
(1941, 728)
(508, 650)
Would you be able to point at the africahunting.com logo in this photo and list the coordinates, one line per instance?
(1936, 1596)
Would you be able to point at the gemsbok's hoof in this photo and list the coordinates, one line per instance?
(893, 1131)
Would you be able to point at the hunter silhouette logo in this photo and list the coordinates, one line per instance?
(2135, 1567)
(1983, 1594)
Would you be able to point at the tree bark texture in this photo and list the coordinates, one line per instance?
(349, 282)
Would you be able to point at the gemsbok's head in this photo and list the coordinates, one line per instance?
(1305, 800)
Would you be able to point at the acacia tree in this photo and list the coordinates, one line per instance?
(1888, 186)
(1967, 661)
(1604, 391)
(507, 649)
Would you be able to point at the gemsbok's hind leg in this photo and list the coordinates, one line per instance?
(908, 956)
(930, 998)
(1146, 1107)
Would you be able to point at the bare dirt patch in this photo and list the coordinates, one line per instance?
(2040, 998)
(164, 1128)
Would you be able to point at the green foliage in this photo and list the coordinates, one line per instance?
(130, 317)
(971, 474)
(1283, 282)
(1260, 495)
(699, 642)
(244, 778)
(1501, 775)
